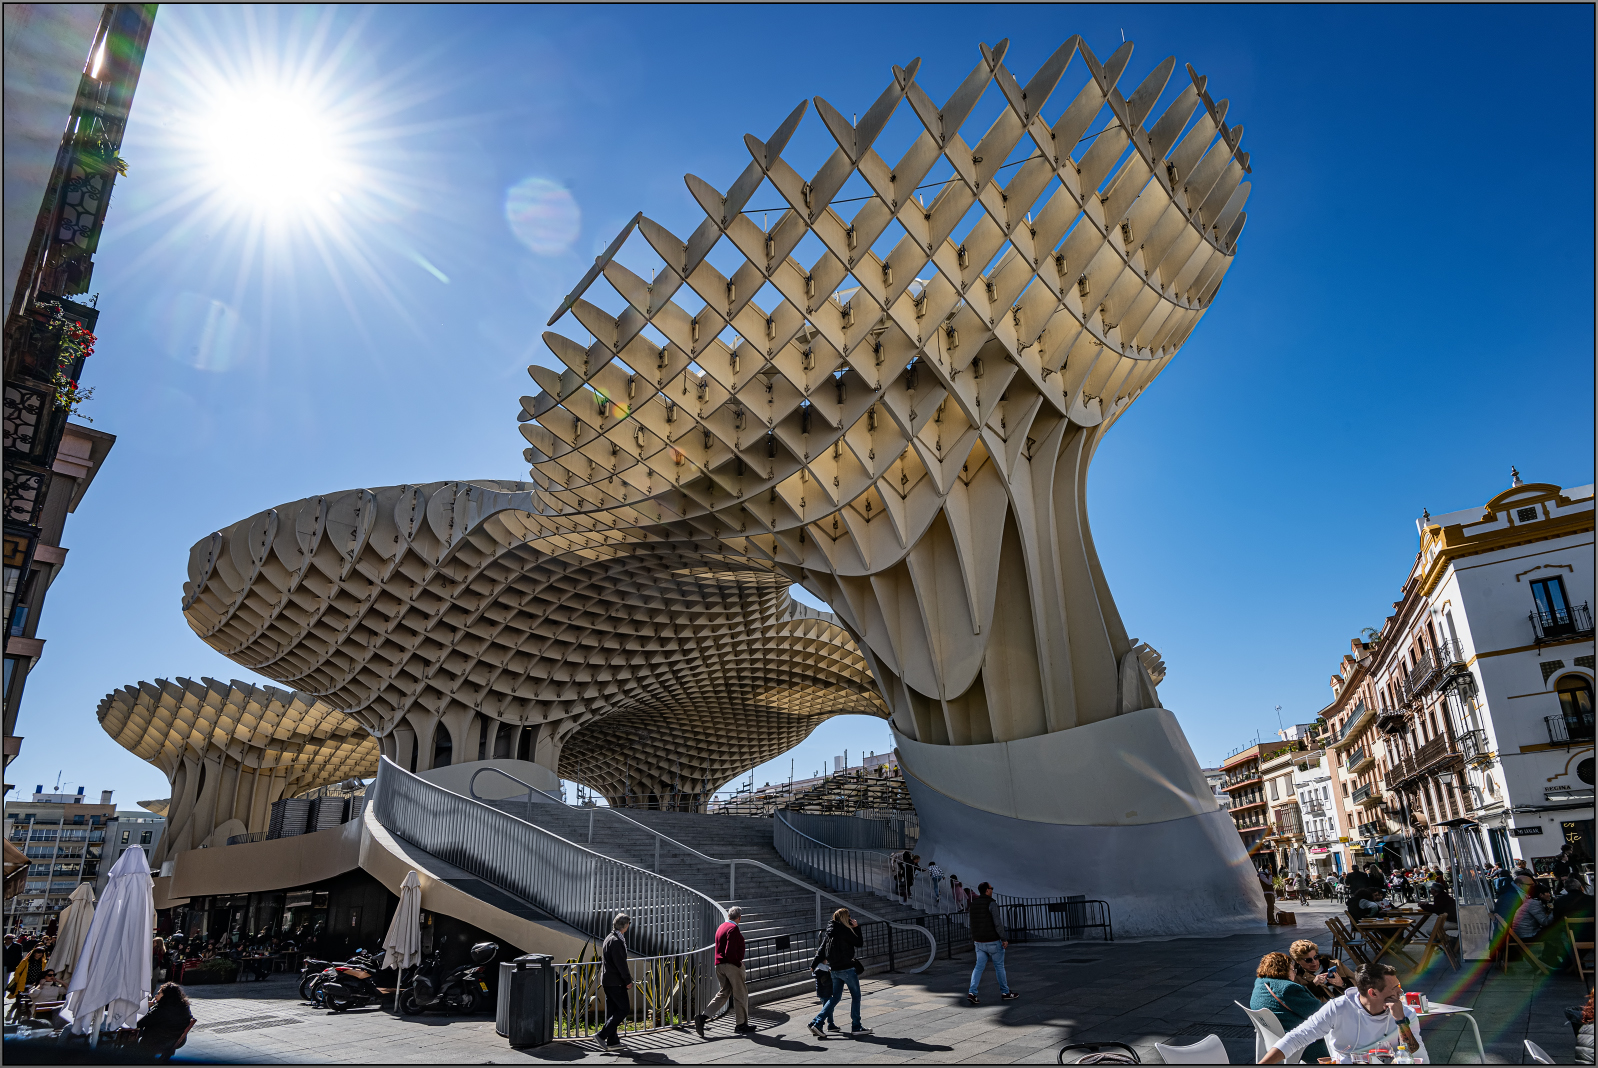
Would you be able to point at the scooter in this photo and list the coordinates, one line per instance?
(314, 972)
(349, 985)
(464, 990)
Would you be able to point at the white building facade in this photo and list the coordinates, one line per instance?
(1493, 667)
(129, 829)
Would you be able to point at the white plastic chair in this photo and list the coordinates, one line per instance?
(1538, 1056)
(1267, 1030)
(1207, 1050)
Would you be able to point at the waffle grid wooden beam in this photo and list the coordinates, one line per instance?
(904, 424)
(232, 749)
(460, 611)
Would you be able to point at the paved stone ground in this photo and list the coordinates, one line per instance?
(1134, 992)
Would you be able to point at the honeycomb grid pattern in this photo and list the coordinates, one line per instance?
(907, 432)
(455, 611)
(904, 426)
(231, 749)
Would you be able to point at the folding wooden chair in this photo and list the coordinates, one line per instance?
(1580, 943)
(1440, 940)
(1351, 945)
(1506, 939)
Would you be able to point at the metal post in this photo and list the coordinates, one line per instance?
(732, 880)
(591, 826)
(818, 910)
(657, 854)
(891, 966)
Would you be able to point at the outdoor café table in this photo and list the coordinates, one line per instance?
(1437, 1008)
(1390, 936)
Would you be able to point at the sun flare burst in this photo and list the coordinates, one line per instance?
(280, 149)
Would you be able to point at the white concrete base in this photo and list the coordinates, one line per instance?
(1115, 811)
(456, 778)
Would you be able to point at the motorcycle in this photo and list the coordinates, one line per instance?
(351, 986)
(351, 980)
(464, 989)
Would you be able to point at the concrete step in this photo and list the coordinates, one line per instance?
(772, 905)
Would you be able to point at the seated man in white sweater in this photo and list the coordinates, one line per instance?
(1370, 1016)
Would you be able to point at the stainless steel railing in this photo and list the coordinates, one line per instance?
(870, 871)
(731, 864)
(583, 888)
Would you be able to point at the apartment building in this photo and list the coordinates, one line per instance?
(1472, 705)
(63, 836)
(1250, 812)
(128, 829)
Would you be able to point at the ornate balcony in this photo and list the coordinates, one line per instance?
(1440, 750)
(1392, 720)
(1363, 794)
(1560, 623)
(1473, 747)
(1569, 731)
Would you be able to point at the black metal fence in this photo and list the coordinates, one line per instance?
(1056, 920)
(776, 956)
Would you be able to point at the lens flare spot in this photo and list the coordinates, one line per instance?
(201, 332)
(543, 215)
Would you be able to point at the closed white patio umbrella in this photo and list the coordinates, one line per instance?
(113, 968)
(75, 922)
(402, 945)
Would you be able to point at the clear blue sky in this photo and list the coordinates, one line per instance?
(1410, 312)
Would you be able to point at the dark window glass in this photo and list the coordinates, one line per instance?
(1575, 701)
(1550, 597)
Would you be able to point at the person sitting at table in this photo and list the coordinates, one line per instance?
(1510, 898)
(1574, 902)
(166, 1026)
(1535, 917)
(1442, 902)
(1372, 1015)
(1275, 989)
(48, 989)
(1367, 903)
(1325, 977)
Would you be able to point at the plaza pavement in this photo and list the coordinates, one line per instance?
(1133, 992)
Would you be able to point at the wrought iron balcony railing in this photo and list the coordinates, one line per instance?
(1570, 731)
(1358, 758)
(1363, 794)
(1558, 623)
(1473, 747)
(1392, 720)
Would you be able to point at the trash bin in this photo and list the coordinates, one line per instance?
(525, 1013)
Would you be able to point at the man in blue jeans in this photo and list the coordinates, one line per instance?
(988, 938)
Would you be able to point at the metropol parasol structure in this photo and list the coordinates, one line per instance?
(890, 395)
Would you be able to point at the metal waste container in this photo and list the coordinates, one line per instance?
(525, 1014)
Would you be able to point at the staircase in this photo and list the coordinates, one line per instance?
(774, 908)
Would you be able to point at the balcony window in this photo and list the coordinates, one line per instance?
(1575, 706)
(1549, 593)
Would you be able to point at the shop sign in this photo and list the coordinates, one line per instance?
(1521, 832)
(1320, 849)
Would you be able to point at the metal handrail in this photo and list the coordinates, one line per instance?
(732, 865)
(853, 870)
(577, 885)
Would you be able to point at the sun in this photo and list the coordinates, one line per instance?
(275, 148)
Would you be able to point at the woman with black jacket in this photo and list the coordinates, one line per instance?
(838, 951)
(165, 1027)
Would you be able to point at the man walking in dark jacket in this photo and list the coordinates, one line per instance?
(988, 938)
(730, 974)
(617, 979)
